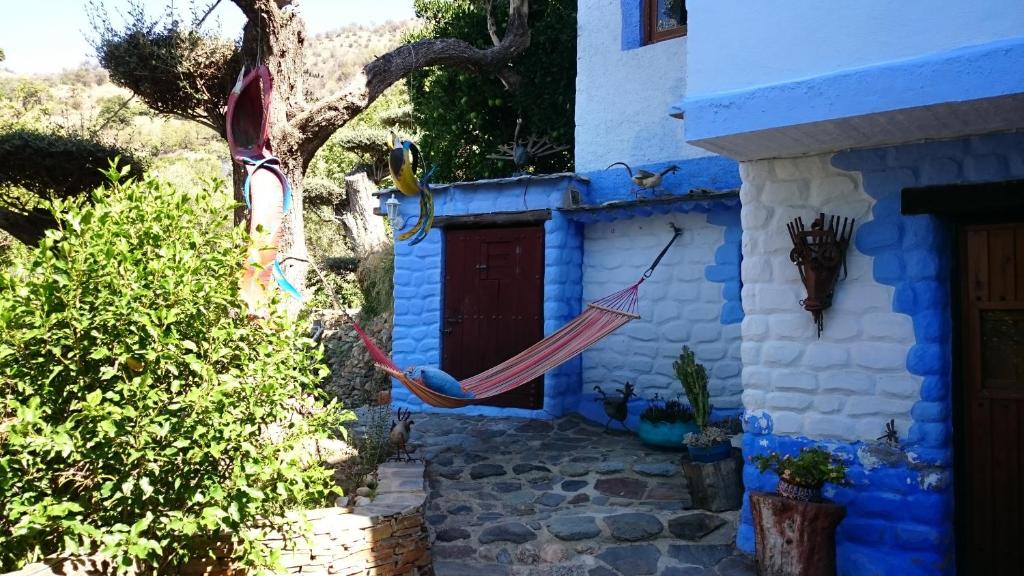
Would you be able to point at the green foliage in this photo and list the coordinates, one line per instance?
(811, 469)
(190, 62)
(142, 415)
(50, 164)
(659, 410)
(464, 116)
(694, 378)
(364, 143)
(376, 274)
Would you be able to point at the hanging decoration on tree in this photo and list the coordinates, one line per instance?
(522, 153)
(819, 254)
(266, 191)
(404, 163)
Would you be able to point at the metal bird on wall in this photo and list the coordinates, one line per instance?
(404, 163)
(646, 179)
(523, 153)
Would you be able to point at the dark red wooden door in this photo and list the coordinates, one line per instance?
(493, 303)
(993, 426)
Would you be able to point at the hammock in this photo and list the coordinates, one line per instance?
(601, 318)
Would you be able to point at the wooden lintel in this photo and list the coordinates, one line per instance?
(494, 218)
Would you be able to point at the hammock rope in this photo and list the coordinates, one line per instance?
(598, 320)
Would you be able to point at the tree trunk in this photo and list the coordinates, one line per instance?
(795, 538)
(365, 232)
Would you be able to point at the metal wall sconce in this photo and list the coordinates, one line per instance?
(819, 254)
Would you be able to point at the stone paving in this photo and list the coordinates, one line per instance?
(563, 498)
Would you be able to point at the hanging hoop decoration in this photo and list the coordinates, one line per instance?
(266, 192)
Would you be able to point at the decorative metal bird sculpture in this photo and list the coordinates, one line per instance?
(400, 432)
(646, 179)
(404, 163)
(616, 407)
(523, 153)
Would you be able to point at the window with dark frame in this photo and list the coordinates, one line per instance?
(664, 19)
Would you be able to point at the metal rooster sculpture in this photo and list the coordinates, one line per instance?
(404, 163)
(616, 407)
(522, 154)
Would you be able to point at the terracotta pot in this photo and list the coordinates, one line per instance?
(384, 397)
(795, 538)
(798, 492)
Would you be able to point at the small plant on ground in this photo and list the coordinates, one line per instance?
(694, 378)
(812, 468)
(142, 416)
(659, 410)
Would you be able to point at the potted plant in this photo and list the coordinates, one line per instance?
(709, 443)
(801, 477)
(664, 423)
(795, 531)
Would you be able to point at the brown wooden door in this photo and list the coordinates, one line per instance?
(993, 396)
(493, 303)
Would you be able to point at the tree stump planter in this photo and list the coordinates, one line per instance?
(795, 538)
(716, 486)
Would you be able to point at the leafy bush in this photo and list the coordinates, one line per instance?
(811, 469)
(464, 117)
(142, 415)
(376, 280)
(54, 164)
(659, 410)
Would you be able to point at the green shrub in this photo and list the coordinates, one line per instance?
(376, 280)
(694, 378)
(143, 415)
(812, 468)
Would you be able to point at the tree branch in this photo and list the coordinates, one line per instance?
(199, 23)
(492, 26)
(323, 118)
(28, 228)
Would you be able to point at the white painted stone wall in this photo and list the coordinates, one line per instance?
(623, 97)
(853, 379)
(677, 306)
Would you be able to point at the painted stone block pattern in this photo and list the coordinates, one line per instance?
(678, 304)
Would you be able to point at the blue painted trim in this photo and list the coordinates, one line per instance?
(591, 408)
(970, 73)
(632, 32)
(716, 173)
(728, 257)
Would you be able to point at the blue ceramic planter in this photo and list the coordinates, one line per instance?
(711, 453)
(664, 434)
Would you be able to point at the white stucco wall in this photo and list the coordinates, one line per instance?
(623, 97)
(677, 306)
(853, 379)
(736, 45)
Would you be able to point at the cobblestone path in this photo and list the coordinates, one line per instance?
(563, 498)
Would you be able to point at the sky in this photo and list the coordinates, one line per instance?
(45, 36)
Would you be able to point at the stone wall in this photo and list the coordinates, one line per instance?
(886, 351)
(354, 380)
(677, 306)
(386, 538)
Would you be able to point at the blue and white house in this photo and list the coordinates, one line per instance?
(909, 118)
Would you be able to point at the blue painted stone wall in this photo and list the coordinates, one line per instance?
(419, 281)
(900, 503)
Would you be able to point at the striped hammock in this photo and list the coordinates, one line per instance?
(601, 318)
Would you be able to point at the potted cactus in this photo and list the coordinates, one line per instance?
(708, 443)
(664, 423)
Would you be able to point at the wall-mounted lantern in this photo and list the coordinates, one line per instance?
(819, 254)
(394, 214)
